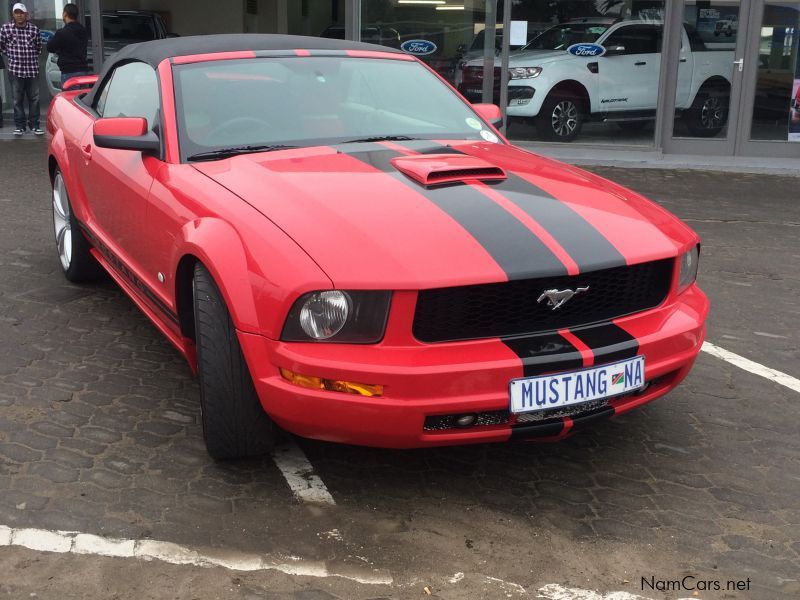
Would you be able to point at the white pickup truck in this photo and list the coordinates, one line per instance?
(613, 76)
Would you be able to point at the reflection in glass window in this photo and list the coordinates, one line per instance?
(585, 95)
(776, 110)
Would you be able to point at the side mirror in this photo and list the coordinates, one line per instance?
(614, 50)
(489, 112)
(79, 83)
(125, 133)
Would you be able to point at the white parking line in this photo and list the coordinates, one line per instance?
(753, 367)
(299, 474)
(70, 542)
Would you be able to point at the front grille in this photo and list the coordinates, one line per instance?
(442, 422)
(511, 309)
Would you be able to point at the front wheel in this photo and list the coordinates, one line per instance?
(234, 422)
(560, 118)
(77, 262)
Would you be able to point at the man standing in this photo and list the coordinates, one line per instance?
(70, 43)
(21, 42)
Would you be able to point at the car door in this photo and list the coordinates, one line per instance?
(118, 182)
(628, 72)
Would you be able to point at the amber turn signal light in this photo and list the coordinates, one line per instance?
(318, 383)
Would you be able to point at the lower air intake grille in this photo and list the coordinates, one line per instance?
(440, 422)
(509, 309)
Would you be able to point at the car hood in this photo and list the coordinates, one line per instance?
(367, 224)
(528, 58)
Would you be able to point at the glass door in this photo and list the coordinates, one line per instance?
(770, 119)
(706, 51)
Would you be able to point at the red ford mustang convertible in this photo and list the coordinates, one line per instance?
(343, 247)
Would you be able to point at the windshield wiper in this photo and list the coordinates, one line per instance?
(381, 138)
(228, 152)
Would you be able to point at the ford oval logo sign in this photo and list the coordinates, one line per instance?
(586, 50)
(418, 47)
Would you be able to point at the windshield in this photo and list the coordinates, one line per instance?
(563, 36)
(131, 28)
(480, 40)
(308, 101)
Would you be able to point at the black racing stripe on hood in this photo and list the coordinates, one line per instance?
(587, 246)
(544, 353)
(609, 342)
(515, 248)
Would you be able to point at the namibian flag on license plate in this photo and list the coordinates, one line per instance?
(531, 394)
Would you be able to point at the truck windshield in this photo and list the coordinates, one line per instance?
(563, 36)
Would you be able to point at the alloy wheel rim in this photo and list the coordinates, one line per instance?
(713, 113)
(61, 222)
(565, 118)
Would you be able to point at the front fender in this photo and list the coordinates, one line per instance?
(259, 271)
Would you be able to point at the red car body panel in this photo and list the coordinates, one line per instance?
(273, 226)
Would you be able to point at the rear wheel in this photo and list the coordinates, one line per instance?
(234, 422)
(77, 262)
(708, 114)
(561, 117)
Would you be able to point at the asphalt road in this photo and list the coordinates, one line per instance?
(99, 434)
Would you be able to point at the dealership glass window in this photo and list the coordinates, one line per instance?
(776, 110)
(605, 91)
(705, 70)
(442, 33)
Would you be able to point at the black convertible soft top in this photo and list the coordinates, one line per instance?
(157, 50)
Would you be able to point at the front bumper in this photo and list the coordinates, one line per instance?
(428, 380)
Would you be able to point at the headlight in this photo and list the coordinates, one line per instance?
(338, 316)
(689, 264)
(524, 72)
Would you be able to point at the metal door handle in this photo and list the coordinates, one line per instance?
(739, 62)
(640, 63)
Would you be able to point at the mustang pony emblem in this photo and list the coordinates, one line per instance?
(555, 298)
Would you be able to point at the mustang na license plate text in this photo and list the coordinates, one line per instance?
(566, 389)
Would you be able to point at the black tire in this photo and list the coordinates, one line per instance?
(77, 262)
(561, 117)
(234, 422)
(708, 114)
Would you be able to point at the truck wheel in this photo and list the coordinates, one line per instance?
(77, 262)
(709, 112)
(560, 118)
(234, 422)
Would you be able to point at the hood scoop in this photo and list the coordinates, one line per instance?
(440, 169)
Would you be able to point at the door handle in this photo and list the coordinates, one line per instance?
(640, 63)
(87, 151)
(683, 60)
(739, 62)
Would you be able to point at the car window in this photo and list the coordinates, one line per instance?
(132, 28)
(131, 92)
(637, 39)
(301, 102)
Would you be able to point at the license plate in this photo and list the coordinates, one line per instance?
(531, 394)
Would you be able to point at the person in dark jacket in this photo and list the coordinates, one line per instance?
(70, 43)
